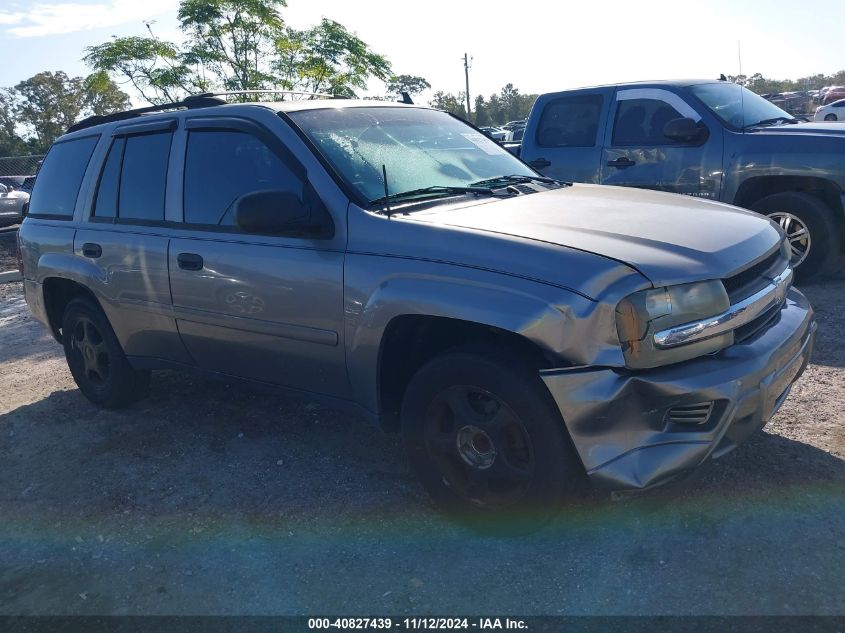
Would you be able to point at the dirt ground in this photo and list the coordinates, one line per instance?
(7, 251)
(209, 498)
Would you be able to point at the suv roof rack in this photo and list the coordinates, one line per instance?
(201, 100)
(205, 100)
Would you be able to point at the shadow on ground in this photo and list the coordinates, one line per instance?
(208, 498)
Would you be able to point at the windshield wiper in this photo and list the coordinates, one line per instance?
(434, 191)
(516, 178)
(777, 119)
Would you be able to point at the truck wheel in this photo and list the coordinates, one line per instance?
(488, 443)
(95, 358)
(809, 226)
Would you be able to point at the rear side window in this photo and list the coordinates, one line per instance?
(106, 203)
(223, 165)
(60, 178)
(143, 177)
(570, 122)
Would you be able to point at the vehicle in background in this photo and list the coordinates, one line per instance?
(511, 125)
(12, 201)
(525, 335)
(708, 139)
(831, 112)
(495, 133)
(514, 135)
(834, 94)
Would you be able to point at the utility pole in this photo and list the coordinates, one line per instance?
(467, 62)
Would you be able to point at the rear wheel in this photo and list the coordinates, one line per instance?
(96, 359)
(809, 226)
(487, 442)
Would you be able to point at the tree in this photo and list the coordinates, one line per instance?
(413, 85)
(47, 104)
(450, 103)
(102, 96)
(240, 45)
(327, 58)
(38, 110)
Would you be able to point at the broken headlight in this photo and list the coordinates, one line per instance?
(640, 315)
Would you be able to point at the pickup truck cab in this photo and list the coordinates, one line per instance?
(526, 335)
(709, 139)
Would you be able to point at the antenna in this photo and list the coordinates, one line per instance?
(386, 194)
(741, 87)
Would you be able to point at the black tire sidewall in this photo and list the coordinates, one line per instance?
(831, 117)
(123, 384)
(558, 472)
(817, 216)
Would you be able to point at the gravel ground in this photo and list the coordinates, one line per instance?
(209, 498)
(7, 251)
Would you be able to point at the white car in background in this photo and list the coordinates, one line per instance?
(11, 205)
(831, 112)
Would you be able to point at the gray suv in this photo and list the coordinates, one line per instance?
(525, 335)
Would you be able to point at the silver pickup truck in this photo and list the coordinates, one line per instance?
(526, 335)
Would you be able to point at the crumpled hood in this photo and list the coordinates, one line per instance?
(669, 238)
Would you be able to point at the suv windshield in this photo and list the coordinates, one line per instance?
(738, 106)
(418, 148)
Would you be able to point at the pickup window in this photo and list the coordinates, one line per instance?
(570, 122)
(143, 177)
(641, 122)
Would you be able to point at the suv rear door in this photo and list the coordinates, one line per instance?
(263, 307)
(125, 239)
(564, 134)
(637, 154)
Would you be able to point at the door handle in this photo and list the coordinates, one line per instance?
(621, 163)
(539, 163)
(89, 249)
(189, 261)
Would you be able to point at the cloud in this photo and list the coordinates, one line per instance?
(69, 17)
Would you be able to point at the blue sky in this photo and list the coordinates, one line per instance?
(539, 46)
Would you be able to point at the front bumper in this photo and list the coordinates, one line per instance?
(618, 419)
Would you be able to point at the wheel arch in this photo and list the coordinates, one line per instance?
(756, 188)
(58, 292)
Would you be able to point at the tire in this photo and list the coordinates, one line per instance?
(830, 117)
(511, 477)
(791, 209)
(96, 359)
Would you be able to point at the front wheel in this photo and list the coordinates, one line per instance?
(810, 228)
(487, 441)
(830, 117)
(96, 359)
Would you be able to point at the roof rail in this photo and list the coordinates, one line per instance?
(201, 100)
(322, 95)
(205, 100)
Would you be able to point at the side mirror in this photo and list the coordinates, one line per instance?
(684, 130)
(274, 211)
(24, 209)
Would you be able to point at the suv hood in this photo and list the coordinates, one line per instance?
(669, 238)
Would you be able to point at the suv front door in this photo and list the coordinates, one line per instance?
(637, 153)
(263, 307)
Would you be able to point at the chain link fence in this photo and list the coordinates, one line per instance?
(19, 171)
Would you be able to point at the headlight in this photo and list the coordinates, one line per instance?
(640, 315)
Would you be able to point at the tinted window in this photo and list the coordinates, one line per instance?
(106, 203)
(221, 166)
(143, 176)
(641, 122)
(60, 177)
(570, 122)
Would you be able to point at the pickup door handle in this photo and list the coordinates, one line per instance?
(189, 261)
(621, 163)
(89, 249)
(539, 163)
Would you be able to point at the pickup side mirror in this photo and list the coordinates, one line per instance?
(271, 212)
(685, 131)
